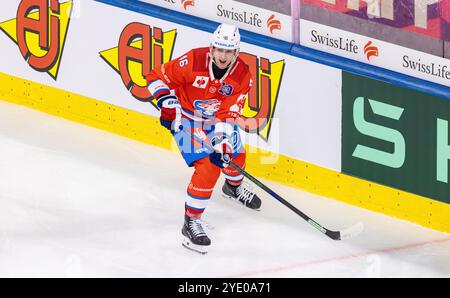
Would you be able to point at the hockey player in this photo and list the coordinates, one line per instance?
(204, 92)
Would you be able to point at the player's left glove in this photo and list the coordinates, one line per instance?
(223, 151)
(170, 112)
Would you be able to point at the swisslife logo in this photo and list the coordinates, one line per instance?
(370, 50)
(40, 30)
(345, 46)
(248, 17)
(437, 69)
(187, 3)
(184, 3)
(140, 49)
(273, 24)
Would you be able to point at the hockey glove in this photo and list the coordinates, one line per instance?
(170, 112)
(223, 151)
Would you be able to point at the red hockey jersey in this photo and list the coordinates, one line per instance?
(202, 97)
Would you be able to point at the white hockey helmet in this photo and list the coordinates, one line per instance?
(226, 37)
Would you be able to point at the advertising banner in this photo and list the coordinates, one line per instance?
(248, 17)
(396, 136)
(375, 52)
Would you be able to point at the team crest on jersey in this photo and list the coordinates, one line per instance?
(201, 82)
(207, 108)
(226, 89)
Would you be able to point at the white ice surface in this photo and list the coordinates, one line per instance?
(76, 201)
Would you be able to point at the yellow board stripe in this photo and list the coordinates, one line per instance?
(285, 170)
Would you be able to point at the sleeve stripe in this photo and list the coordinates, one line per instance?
(156, 86)
(167, 91)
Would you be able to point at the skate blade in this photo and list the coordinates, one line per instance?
(201, 249)
(239, 203)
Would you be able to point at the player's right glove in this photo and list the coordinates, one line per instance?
(223, 151)
(170, 112)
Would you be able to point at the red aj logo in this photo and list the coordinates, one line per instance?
(141, 48)
(40, 31)
(273, 24)
(187, 3)
(370, 50)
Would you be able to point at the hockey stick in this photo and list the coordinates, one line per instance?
(335, 235)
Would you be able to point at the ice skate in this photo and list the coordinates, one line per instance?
(242, 194)
(195, 237)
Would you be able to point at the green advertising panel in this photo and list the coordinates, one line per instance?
(396, 136)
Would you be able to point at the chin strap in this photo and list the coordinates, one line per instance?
(211, 61)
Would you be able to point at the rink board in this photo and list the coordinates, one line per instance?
(86, 83)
